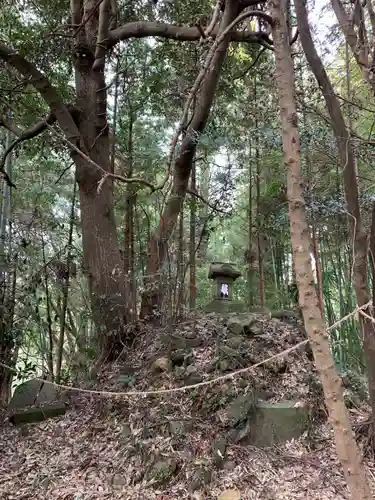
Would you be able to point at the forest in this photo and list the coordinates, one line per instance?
(187, 242)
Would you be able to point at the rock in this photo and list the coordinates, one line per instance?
(174, 342)
(32, 414)
(254, 329)
(162, 364)
(32, 392)
(118, 482)
(194, 378)
(163, 470)
(178, 357)
(238, 410)
(225, 365)
(229, 495)
(219, 448)
(235, 360)
(235, 326)
(191, 369)
(274, 423)
(200, 479)
(235, 342)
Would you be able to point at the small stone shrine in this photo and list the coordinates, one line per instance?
(224, 274)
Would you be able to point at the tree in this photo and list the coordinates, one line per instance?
(84, 129)
(349, 169)
(346, 446)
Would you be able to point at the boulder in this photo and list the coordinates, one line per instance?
(192, 376)
(32, 414)
(230, 359)
(274, 423)
(244, 324)
(238, 410)
(32, 392)
(236, 341)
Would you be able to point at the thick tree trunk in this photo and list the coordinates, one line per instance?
(348, 165)
(157, 248)
(102, 258)
(347, 449)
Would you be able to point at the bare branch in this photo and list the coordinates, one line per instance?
(202, 199)
(243, 73)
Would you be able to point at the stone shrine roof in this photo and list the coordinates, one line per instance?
(223, 269)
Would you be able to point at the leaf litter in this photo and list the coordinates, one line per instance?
(161, 447)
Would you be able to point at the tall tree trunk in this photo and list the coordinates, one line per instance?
(250, 236)
(346, 446)
(65, 289)
(129, 236)
(348, 165)
(259, 215)
(8, 345)
(180, 268)
(101, 252)
(203, 217)
(192, 250)
(157, 248)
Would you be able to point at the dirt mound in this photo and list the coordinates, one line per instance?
(192, 444)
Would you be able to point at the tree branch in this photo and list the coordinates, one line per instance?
(142, 29)
(33, 131)
(101, 45)
(202, 199)
(46, 90)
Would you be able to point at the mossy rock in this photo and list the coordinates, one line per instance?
(238, 410)
(230, 359)
(244, 324)
(275, 423)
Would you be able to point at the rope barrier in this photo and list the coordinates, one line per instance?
(193, 386)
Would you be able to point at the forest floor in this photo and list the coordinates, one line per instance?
(165, 446)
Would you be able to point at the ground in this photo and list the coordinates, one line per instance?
(176, 446)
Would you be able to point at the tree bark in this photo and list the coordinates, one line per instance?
(346, 446)
(348, 165)
(192, 238)
(157, 247)
(101, 252)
